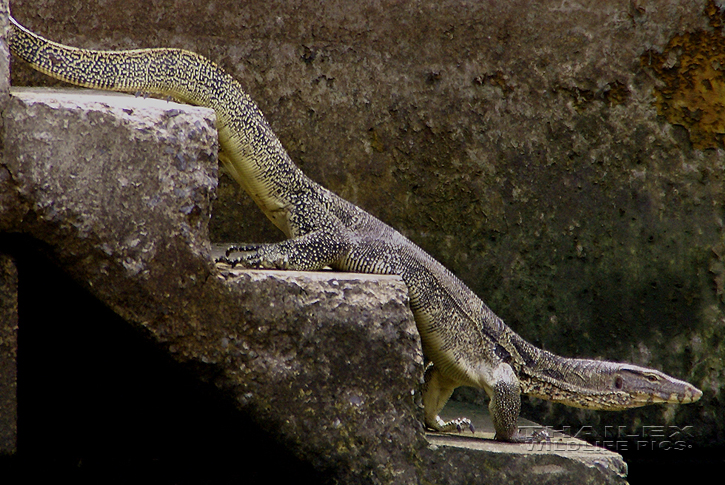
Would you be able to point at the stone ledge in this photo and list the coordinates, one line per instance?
(560, 460)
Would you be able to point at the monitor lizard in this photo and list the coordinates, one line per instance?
(465, 342)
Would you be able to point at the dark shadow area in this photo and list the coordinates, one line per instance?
(673, 465)
(97, 403)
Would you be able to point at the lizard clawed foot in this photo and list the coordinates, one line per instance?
(540, 435)
(458, 424)
(256, 256)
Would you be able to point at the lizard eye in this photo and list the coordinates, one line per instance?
(652, 378)
(618, 382)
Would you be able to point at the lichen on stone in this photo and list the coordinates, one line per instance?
(692, 93)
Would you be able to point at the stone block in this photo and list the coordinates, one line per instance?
(119, 190)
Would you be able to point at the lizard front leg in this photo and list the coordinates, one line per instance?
(505, 403)
(310, 252)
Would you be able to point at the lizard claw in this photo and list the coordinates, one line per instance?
(226, 260)
(458, 424)
(541, 436)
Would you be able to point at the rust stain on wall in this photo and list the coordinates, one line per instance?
(692, 68)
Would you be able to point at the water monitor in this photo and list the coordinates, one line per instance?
(466, 343)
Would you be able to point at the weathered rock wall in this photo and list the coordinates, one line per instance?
(529, 146)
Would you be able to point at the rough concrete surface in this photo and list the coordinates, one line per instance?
(119, 189)
(528, 146)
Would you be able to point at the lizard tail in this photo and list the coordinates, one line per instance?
(253, 155)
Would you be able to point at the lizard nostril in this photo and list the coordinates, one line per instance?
(618, 382)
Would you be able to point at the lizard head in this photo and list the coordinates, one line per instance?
(640, 386)
(597, 384)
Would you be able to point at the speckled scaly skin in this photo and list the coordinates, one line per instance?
(465, 341)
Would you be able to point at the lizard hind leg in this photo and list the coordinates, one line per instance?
(437, 389)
